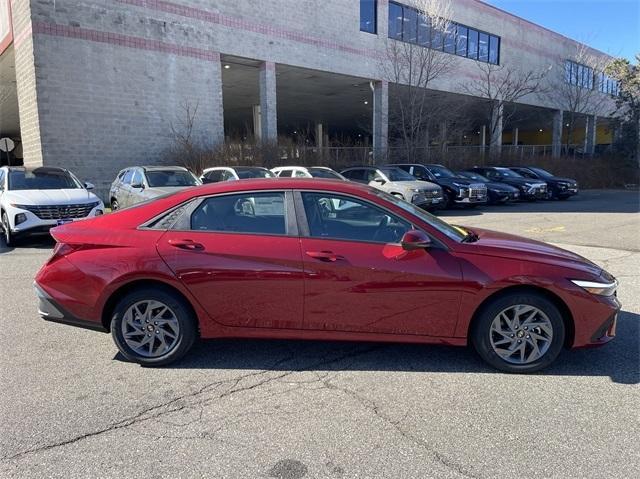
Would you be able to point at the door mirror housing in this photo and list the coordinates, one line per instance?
(414, 240)
(89, 186)
(138, 185)
(379, 181)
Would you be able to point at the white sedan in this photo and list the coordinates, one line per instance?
(34, 200)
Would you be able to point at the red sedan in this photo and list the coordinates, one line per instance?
(319, 259)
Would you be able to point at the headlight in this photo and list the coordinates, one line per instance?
(596, 287)
(416, 190)
(457, 184)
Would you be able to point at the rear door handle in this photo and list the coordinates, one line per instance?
(327, 256)
(187, 244)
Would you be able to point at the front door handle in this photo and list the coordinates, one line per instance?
(187, 244)
(327, 256)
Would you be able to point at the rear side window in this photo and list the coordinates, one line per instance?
(300, 174)
(213, 176)
(285, 173)
(354, 175)
(256, 213)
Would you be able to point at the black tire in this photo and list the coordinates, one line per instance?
(450, 201)
(563, 198)
(114, 204)
(6, 231)
(187, 325)
(480, 332)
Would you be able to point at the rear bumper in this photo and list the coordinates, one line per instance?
(50, 310)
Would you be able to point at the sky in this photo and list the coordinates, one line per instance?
(612, 26)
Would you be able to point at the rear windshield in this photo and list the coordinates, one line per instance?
(42, 179)
(324, 173)
(245, 173)
(168, 178)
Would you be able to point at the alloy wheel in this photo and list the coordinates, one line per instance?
(150, 328)
(6, 229)
(521, 334)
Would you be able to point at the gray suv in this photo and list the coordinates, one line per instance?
(398, 183)
(141, 183)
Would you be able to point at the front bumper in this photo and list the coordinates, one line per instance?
(50, 310)
(34, 225)
(427, 201)
(534, 193)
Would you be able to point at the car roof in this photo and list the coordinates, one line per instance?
(44, 169)
(162, 168)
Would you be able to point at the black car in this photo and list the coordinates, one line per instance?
(560, 188)
(457, 191)
(496, 192)
(529, 189)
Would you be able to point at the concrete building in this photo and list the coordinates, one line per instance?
(97, 85)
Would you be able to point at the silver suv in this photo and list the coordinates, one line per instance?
(141, 183)
(398, 183)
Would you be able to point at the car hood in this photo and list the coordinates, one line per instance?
(521, 181)
(557, 179)
(460, 181)
(421, 185)
(501, 187)
(50, 197)
(495, 243)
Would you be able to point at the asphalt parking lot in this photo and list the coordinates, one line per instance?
(71, 407)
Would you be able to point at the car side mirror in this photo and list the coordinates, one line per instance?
(138, 185)
(414, 240)
(89, 186)
(379, 181)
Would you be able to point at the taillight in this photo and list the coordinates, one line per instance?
(62, 249)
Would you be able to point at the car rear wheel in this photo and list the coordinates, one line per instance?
(153, 327)
(6, 230)
(519, 333)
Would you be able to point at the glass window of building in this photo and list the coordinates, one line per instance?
(395, 21)
(368, 16)
(424, 30)
(472, 50)
(450, 38)
(437, 38)
(410, 25)
(494, 49)
(483, 47)
(461, 41)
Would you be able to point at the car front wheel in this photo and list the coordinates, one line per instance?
(153, 327)
(519, 333)
(114, 205)
(6, 230)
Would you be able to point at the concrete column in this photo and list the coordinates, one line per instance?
(590, 135)
(257, 123)
(556, 134)
(268, 103)
(320, 135)
(495, 145)
(380, 120)
(515, 137)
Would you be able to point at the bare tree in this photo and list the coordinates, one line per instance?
(411, 65)
(575, 87)
(502, 87)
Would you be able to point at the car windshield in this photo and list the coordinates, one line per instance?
(541, 172)
(245, 173)
(169, 178)
(507, 173)
(473, 176)
(396, 174)
(456, 234)
(324, 173)
(441, 172)
(42, 179)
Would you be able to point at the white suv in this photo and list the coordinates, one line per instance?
(307, 172)
(34, 200)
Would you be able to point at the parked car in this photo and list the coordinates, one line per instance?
(142, 183)
(200, 264)
(457, 191)
(496, 192)
(399, 183)
(529, 189)
(558, 188)
(33, 200)
(307, 172)
(227, 173)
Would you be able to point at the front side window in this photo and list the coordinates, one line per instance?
(136, 179)
(507, 173)
(324, 173)
(339, 217)
(300, 174)
(169, 178)
(396, 174)
(441, 172)
(42, 179)
(255, 213)
(213, 176)
(354, 175)
(127, 177)
(285, 173)
(245, 173)
(368, 16)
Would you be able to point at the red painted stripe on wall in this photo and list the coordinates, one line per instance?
(129, 41)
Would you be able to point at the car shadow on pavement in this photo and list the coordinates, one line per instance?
(30, 242)
(620, 359)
